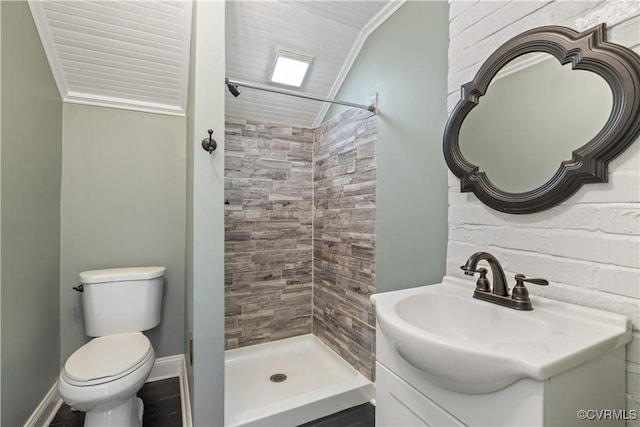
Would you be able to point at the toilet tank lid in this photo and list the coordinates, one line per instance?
(121, 274)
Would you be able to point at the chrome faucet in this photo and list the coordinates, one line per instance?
(498, 292)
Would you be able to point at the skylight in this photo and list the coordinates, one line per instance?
(290, 68)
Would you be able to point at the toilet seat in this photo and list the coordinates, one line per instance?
(106, 359)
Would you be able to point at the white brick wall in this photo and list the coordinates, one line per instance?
(589, 246)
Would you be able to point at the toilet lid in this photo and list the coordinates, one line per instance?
(107, 357)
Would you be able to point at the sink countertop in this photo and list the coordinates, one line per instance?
(473, 346)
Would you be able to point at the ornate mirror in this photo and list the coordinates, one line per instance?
(545, 114)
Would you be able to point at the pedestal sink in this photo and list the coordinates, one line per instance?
(472, 346)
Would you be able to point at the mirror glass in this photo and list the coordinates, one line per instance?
(534, 114)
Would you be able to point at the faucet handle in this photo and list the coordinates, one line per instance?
(535, 280)
(482, 284)
(520, 292)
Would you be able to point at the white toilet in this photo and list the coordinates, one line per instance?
(103, 376)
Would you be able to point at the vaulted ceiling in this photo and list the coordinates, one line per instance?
(123, 54)
(332, 32)
(135, 54)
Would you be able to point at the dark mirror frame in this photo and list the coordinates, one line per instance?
(588, 50)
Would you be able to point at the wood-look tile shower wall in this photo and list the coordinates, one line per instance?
(273, 200)
(344, 236)
(268, 252)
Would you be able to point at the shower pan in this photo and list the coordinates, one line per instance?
(299, 268)
(289, 382)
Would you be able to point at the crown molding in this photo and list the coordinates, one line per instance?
(123, 104)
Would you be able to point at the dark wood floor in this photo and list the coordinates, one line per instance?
(162, 409)
(358, 416)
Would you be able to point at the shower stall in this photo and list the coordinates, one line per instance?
(300, 209)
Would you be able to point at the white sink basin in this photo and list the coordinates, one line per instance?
(474, 346)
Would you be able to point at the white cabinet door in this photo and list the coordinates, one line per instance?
(400, 405)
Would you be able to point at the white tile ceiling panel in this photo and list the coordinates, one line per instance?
(122, 54)
(326, 30)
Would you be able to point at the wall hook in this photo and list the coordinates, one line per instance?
(209, 144)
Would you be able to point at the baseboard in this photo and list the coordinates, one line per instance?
(46, 410)
(166, 367)
(163, 368)
(373, 394)
(185, 401)
(170, 367)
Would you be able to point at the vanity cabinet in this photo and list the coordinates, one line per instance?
(405, 396)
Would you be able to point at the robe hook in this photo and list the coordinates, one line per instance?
(209, 144)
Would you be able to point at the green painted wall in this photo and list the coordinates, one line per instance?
(405, 62)
(205, 221)
(123, 204)
(188, 294)
(0, 212)
(531, 114)
(30, 214)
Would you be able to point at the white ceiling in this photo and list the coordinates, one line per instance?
(135, 54)
(330, 31)
(123, 54)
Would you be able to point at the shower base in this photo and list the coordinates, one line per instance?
(289, 382)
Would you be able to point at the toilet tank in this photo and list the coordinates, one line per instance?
(120, 300)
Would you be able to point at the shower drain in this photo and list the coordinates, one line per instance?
(277, 378)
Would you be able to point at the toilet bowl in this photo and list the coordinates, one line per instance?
(102, 378)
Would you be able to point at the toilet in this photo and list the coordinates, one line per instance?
(102, 377)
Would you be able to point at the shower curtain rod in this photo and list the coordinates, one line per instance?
(266, 88)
